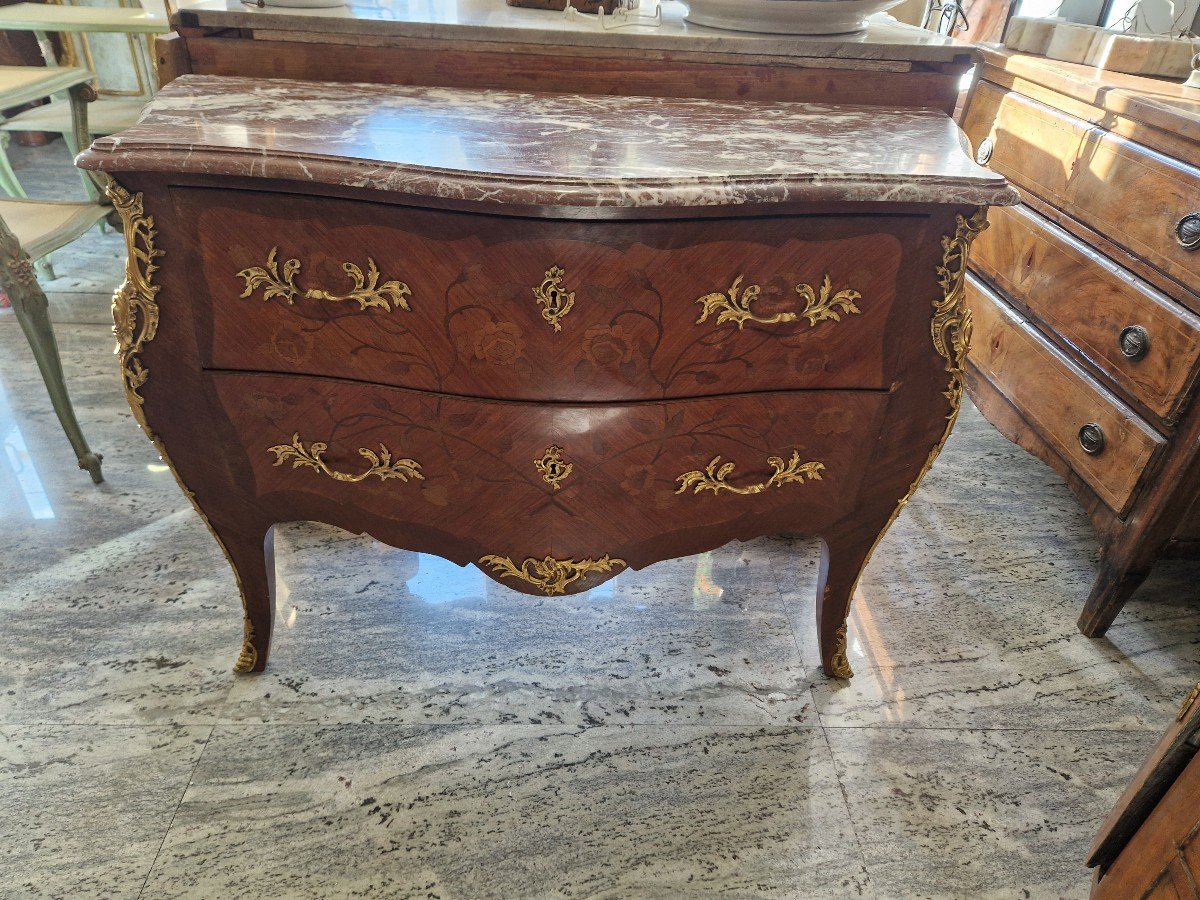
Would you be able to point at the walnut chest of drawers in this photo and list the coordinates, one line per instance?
(1085, 299)
(549, 335)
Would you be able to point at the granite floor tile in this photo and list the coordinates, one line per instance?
(1001, 813)
(514, 812)
(368, 633)
(966, 615)
(84, 810)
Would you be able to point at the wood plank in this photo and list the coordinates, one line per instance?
(433, 66)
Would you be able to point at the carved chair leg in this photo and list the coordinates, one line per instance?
(251, 554)
(1114, 585)
(8, 178)
(843, 558)
(32, 311)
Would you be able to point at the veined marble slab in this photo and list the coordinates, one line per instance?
(559, 150)
(494, 21)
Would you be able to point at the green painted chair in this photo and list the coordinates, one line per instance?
(29, 230)
(20, 85)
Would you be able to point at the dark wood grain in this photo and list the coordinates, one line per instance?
(474, 325)
(542, 334)
(553, 68)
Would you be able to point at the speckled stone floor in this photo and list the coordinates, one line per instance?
(424, 732)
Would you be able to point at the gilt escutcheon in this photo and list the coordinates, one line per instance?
(555, 300)
(554, 467)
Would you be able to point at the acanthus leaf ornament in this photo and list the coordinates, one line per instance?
(952, 324)
(734, 305)
(840, 664)
(135, 304)
(555, 300)
(715, 476)
(381, 465)
(280, 281)
(551, 576)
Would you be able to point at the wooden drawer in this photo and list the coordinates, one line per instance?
(619, 483)
(1130, 194)
(459, 305)
(1058, 400)
(1089, 301)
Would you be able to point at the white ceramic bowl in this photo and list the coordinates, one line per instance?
(786, 16)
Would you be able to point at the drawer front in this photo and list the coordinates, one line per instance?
(1059, 401)
(1132, 195)
(545, 309)
(1139, 338)
(639, 482)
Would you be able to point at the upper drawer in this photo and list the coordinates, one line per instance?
(1133, 196)
(548, 309)
(1143, 341)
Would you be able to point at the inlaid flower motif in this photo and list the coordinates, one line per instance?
(608, 346)
(291, 346)
(833, 421)
(499, 343)
(638, 479)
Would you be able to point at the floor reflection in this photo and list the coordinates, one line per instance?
(20, 475)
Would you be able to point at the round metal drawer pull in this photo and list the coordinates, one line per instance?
(1187, 231)
(984, 153)
(1134, 342)
(1091, 439)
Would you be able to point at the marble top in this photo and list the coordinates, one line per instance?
(493, 20)
(549, 149)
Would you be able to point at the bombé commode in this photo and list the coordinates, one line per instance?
(553, 336)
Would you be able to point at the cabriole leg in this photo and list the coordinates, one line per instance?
(251, 554)
(843, 558)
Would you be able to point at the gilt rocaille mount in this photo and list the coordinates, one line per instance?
(540, 395)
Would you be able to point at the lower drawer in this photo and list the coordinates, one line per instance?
(637, 481)
(1099, 437)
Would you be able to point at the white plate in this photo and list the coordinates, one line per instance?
(786, 16)
(302, 4)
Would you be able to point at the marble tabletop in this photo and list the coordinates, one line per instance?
(493, 20)
(549, 149)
